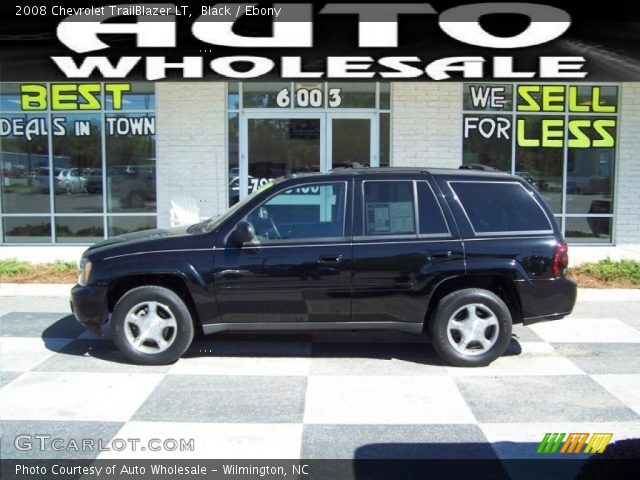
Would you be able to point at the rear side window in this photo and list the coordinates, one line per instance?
(430, 216)
(389, 208)
(501, 207)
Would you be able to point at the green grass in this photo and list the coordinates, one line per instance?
(609, 270)
(13, 267)
(62, 266)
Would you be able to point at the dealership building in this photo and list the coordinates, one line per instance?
(83, 162)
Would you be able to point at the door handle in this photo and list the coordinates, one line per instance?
(329, 259)
(437, 255)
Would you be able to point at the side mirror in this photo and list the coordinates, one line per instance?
(244, 233)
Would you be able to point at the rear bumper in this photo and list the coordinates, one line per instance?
(544, 300)
(89, 306)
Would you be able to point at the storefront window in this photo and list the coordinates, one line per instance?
(32, 229)
(77, 163)
(560, 138)
(540, 166)
(131, 163)
(119, 225)
(264, 94)
(79, 229)
(477, 147)
(63, 146)
(24, 157)
(352, 95)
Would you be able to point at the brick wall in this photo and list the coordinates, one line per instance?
(190, 150)
(427, 124)
(628, 170)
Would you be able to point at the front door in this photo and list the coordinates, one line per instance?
(276, 144)
(298, 267)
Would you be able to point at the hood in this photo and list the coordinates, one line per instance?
(142, 235)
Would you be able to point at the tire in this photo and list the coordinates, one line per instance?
(482, 345)
(151, 325)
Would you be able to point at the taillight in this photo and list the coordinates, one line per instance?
(560, 262)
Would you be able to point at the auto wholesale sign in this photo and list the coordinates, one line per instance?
(393, 41)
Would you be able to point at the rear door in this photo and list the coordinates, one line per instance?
(405, 242)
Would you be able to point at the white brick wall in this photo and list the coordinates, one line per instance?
(191, 145)
(628, 169)
(427, 124)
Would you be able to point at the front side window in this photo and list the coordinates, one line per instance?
(495, 207)
(389, 208)
(301, 213)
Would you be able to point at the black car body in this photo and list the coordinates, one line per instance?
(355, 248)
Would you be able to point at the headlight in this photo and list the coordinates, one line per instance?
(85, 272)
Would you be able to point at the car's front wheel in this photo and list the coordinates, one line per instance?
(151, 325)
(471, 327)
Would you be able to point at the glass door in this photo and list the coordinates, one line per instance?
(279, 145)
(352, 138)
(276, 144)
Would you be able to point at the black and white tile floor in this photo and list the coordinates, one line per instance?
(324, 395)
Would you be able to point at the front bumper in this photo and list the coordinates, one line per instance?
(89, 306)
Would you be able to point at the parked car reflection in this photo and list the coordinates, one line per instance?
(42, 180)
(72, 180)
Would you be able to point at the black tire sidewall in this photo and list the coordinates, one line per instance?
(447, 307)
(184, 334)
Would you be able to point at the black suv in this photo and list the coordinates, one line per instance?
(459, 254)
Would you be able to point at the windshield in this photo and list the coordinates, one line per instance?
(211, 224)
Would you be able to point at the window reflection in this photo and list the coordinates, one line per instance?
(27, 229)
(79, 229)
(122, 225)
(588, 230)
(590, 172)
(76, 159)
(131, 163)
(24, 162)
(540, 166)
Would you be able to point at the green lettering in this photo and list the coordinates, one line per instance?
(33, 97)
(525, 91)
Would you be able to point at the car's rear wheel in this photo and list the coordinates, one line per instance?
(151, 325)
(471, 327)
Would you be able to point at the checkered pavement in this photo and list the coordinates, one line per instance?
(321, 395)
